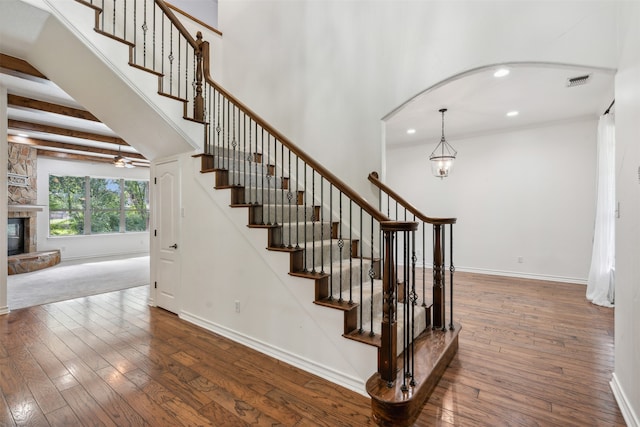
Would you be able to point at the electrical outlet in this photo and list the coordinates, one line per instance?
(237, 306)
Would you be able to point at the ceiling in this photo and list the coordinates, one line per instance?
(42, 115)
(478, 102)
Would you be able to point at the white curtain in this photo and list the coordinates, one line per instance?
(600, 285)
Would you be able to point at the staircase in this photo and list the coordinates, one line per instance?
(321, 247)
(359, 260)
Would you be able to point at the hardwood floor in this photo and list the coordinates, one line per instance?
(531, 353)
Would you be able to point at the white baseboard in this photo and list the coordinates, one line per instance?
(4, 310)
(524, 275)
(630, 417)
(346, 381)
(533, 276)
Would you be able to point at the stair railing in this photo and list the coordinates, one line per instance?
(158, 43)
(334, 235)
(396, 207)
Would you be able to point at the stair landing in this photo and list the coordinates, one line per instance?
(391, 406)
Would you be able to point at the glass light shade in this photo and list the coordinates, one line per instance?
(441, 165)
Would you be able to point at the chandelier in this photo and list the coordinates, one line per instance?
(443, 155)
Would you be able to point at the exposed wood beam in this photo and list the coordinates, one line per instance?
(21, 101)
(19, 65)
(35, 127)
(80, 157)
(64, 146)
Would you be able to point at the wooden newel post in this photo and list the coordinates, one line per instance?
(438, 278)
(388, 352)
(198, 102)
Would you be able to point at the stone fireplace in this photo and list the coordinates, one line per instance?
(22, 199)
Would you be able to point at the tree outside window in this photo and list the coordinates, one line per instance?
(85, 205)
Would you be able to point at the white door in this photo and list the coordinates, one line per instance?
(166, 234)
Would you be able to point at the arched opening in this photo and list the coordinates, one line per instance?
(523, 188)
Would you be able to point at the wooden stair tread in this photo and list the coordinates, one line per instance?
(334, 303)
(392, 406)
(308, 274)
(262, 226)
(148, 70)
(176, 98)
(364, 337)
(225, 187)
(283, 249)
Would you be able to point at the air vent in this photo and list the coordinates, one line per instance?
(577, 81)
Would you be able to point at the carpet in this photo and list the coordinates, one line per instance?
(63, 281)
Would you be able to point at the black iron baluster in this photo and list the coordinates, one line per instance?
(153, 37)
(350, 254)
(331, 241)
(452, 270)
(444, 277)
(413, 302)
(361, 308)
(269, 178)
(290, 196)
(171, 57)
(424, 276)
(340, 244)
(313, 222)
(262, 173)
(282, 168)
(298, 205)
(320, 222)
(372, 276)
(305, 217)
(144, 35)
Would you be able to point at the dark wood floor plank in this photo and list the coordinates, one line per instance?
(117, 408)
(151, 412)
(183, 413)
(41, 387)
(63, 417)
(6, 419)
(18, 397)
(531, 353)
(86, 408)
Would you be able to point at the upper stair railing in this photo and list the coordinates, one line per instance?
(333, 234)
(397, 207)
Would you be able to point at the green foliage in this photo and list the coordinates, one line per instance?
(67, 205)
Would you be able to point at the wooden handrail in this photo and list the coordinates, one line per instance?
(175, 21)
(334, 180)
(373, 177)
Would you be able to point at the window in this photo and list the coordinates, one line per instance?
(85, 205)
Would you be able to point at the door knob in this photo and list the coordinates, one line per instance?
(174, 246)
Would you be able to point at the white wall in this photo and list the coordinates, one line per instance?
(325, 73)
(626, 382)
(204, 10)
(224, 261)
(78, 247)
(527, 193)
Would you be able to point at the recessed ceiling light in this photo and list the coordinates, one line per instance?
(501, 72)
(411, 131)
(512, 113)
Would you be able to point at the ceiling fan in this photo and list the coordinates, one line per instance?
(122, 162)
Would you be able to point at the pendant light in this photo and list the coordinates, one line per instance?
(443, 155)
